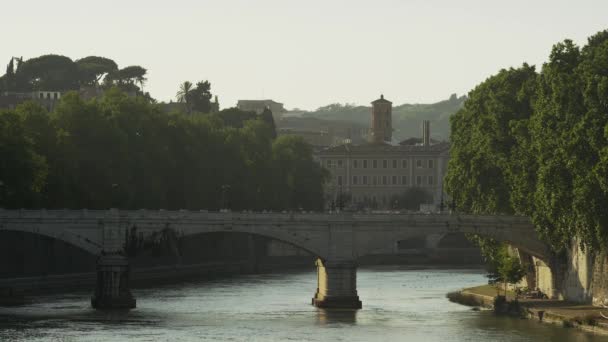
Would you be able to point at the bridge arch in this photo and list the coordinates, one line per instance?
(517, 232)
(301, 242)
(64, 235)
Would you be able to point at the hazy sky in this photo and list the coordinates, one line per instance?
(305, 53)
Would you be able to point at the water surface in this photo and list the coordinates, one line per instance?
(398, 305)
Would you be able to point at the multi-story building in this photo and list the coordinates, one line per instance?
(377, 171)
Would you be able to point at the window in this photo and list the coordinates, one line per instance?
(48, 96)
(339, 180)
(384, 180)
(404, 164)
(329, 163)
(394, 163)
(419, 163)
(403, 180)
(375, 164)
(375, 180)
(394, 180)
(430, 180)
(355, 180)
(418, 180)
(365, 163)
(339, 162)
(41, 95)
(364, 179)
(56, 96)
(385, 164)
(355, 164)
(430, 163)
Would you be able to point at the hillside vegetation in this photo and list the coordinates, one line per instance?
(407, 118)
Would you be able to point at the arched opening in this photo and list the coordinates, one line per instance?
(24, 254)
(166, 255)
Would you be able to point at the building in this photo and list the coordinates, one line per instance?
(258, 106)
(47, 99)
(376, 171)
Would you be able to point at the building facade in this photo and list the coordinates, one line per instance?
(377, 171)
(47, 99)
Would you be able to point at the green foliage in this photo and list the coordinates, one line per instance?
(48, 72)
(22, 170)
(197, 98)
(537, 145)
(92, 68)
(483, 143)
(502, 267)
(411, 199)
(122, 151)
(266, 116)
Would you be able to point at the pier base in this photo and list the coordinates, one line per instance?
(112, 288)
(336, 285)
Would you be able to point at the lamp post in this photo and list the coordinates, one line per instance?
(2, 195)
(224, 197)
(114, 196)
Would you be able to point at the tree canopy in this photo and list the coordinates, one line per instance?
(536, 144)
(121, 151)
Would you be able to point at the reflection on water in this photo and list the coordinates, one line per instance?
(398, 305)
(325, 317)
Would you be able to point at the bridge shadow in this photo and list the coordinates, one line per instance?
(336, 316)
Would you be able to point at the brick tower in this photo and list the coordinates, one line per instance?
(381, 126)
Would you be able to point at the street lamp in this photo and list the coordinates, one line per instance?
(2, 193)
(224, 197)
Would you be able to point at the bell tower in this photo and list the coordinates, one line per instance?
(381, 128)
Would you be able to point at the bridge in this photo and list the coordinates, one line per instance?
(337, 240)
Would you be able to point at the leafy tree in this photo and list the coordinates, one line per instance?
(22, 171)
(303, 177)
(235, 117)
(201, 97)
(483, 144)
(49, 72)
(127, 78)
(536, 145)
(184, 95)
(93, 68)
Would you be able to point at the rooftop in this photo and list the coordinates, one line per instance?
(368, 147)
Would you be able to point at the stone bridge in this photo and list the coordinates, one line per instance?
(336, 239)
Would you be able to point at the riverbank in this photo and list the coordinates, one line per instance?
(567, 314)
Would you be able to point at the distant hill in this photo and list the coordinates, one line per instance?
(407, 118)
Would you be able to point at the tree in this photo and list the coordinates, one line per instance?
(201, 97)
(22, 171)
(184, 95)
(49, 72)
(127, 78)
(93, 68)
(298, 178)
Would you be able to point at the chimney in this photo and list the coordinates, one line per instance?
(426, 133)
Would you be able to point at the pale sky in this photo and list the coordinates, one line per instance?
(305, 53)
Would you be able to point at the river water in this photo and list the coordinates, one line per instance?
(398, 305)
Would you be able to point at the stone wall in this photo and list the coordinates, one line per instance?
(584, 278)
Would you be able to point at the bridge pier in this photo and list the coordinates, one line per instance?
(336, 285)
(112, 288)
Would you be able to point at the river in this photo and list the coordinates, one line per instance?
(398, 305)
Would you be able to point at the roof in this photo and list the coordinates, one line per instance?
(381, 100)
(240, 102)
(383, 147)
